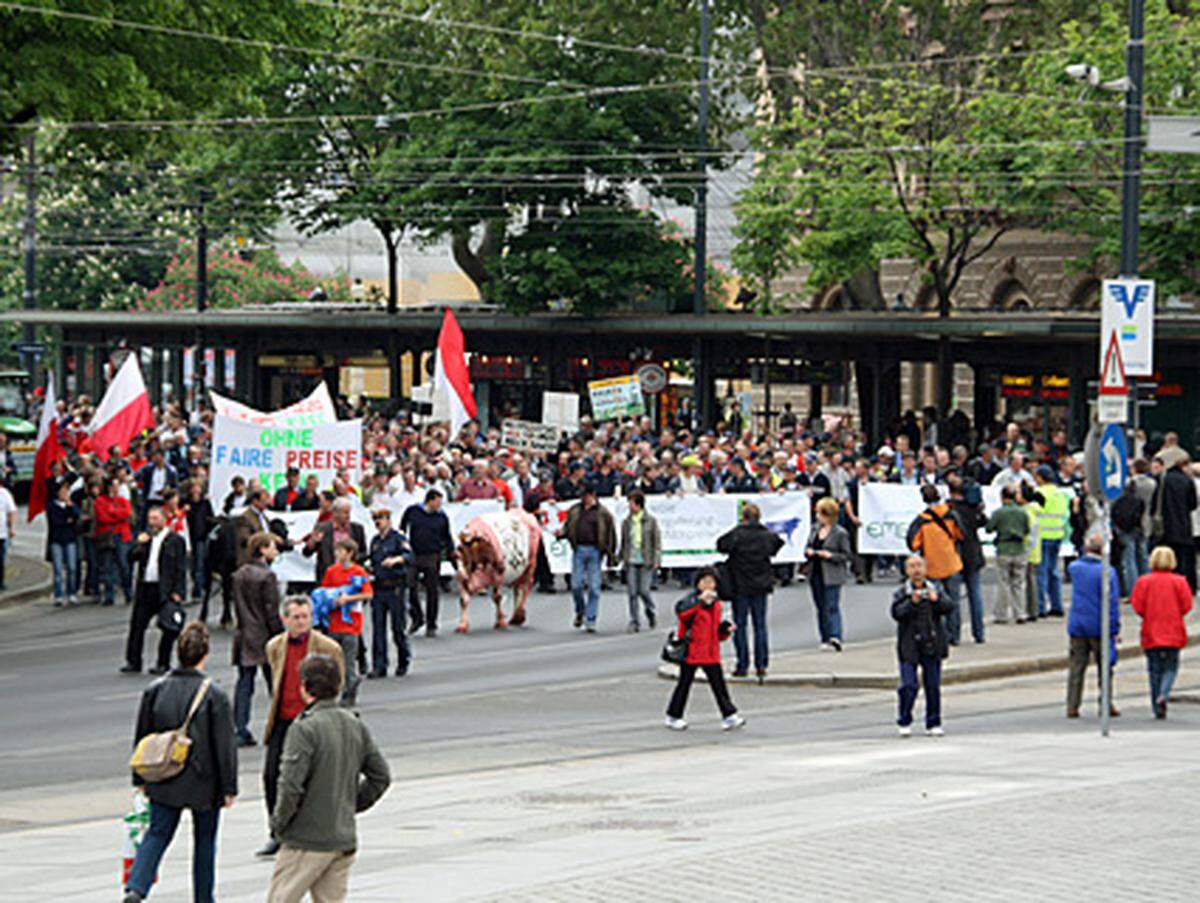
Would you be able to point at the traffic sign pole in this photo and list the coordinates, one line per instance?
(1106, 647)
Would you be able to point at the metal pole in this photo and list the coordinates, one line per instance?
(201, 300)
(1135, 66)
(29, 241)
(700, 239)
(1105, 629)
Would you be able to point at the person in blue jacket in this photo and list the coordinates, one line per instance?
(1083, 625)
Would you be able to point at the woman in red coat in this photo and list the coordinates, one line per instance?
(1162, 598)
(700, 612)
(113, 538)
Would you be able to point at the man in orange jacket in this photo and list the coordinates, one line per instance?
(935, 535)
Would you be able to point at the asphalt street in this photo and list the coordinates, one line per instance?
(60, 691)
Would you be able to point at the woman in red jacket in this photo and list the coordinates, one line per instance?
(1162, 598)
(113, 537)
(700, 612)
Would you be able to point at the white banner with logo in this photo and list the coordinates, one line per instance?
(620, 396)
(264, 453)
(691, 525)
(886, 510)
(316, 408)
(1127, 311)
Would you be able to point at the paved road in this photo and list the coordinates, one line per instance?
(60, 691)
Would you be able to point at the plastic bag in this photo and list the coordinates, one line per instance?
(134, 825)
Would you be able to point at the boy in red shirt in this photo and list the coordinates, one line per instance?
(348, 631)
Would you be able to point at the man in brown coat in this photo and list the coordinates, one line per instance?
(285, 652)
(256, 604)
(251, 521)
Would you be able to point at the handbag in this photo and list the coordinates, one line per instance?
(171, 617)
(675, 648)
(161, 756)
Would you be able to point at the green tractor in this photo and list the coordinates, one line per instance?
(14, 422)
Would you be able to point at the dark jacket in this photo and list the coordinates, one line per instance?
(301, 502)
(200, 520)
(919, 630)
(172, 565)
(145, 476)
(63, 519)
(390, 545)
(1178, 501)
(324, 547)
(970, 519)
(256, 602)
(428, 531)
(331, 770)
(247, 524)
(750, 548)
(211, 770)
(606, 530)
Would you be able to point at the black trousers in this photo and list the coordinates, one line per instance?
(1185, 561)
(424, 572)
(716, 680)
(271, 764)
(388, 605)
(146, 606)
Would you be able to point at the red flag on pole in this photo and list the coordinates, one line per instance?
(123, 412)
(451, 379)
(48, 451)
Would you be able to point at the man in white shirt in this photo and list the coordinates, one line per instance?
(8, 527)
(162, 557)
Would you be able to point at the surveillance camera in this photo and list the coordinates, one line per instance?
(1082, 72)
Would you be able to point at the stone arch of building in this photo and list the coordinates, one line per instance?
(1085, 294)
(1008, 285)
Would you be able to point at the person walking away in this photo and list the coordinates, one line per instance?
(920, 612)
(200, 520)
(1052, 527)
(428, 531)
(1031, 503)
(1162, 599)
(1127, 525)
(1145, 486)
(750, 547)
(828, 553)
(935, 535)
(1083, 626)
(256, 602)
(209, 779)
(966, 501)
(113, 538)
(699, 615)
(389, 557)
(161, 559)
(63, 517)
(285, 652)
(641, 555)
(590, 530)
(1174, 502)
(347, 631)
(331, 771)
(1010, 525)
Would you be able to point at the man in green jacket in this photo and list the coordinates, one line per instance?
(1011, 526)
(331, 770)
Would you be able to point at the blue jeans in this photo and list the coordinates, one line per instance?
(828, 602)
(931, 677)
(91, 558)
(753, 608)
(115, 567)
(1049, 578)
(585, 573)
(952, 587)
(3, 556)
(163, 822)
(65, 558)
(199, 569)
(974, 582)
(243, 696)
(1162, 665)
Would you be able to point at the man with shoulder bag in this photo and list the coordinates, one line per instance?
(185, 758)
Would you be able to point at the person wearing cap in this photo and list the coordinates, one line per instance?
(592, 533)
(389, 557)
(1052, 527)
(1171, 509)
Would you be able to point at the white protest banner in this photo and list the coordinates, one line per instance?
(620, 396)
(691, 525)
(561, 411)
(886, 510)
(265, 453)
(316, 408)
(525, 435)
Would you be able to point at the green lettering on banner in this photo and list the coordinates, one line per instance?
(285, 438)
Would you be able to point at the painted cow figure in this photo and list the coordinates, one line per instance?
(497, 551)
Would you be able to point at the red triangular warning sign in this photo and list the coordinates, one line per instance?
(1112, 374)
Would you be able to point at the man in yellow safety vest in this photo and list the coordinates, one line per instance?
(1052, 527)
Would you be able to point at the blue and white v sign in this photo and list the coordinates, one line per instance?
(1127, 308)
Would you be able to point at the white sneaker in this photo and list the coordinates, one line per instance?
(675, 724)
(904, 730)
(733, 722)
(827, 647)
(934, 732)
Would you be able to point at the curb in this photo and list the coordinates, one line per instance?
(29, 594)
(954, 674)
